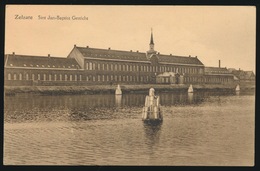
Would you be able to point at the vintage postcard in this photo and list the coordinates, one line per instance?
(129, 85)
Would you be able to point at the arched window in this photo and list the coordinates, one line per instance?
(27, 76)
(103, 78)
(60, 77)
(39, 77)
(115, 67)
(76, 78)
(98, 66)
(80, 78)
(55, 77)
(103, 66)
(107, 67)
(49, 77)
(107, 78)
(123, 78)
(32, 76)
(66, 77)
(20, 76)
(87, 79)
(94, 78)
(70, 77)
(119, 67)
(44, 77)
(9, 76)
(112, 67)
(94, 66)
(14, 76)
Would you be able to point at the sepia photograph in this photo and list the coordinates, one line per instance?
(129, 85)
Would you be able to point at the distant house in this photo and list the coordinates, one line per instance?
(169, 78)
(244, 75)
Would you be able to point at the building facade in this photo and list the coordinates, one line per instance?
(85, 66)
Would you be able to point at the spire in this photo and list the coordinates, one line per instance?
(151, 41)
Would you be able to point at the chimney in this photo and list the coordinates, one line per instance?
(189, 56)
(219, 64)
(239, 69)
(49, 55)
(13, 53)
(137, 51)
(87, 46)
(109, 48)
(170, 54)
(74, 45)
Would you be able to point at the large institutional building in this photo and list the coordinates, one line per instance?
(86, 65)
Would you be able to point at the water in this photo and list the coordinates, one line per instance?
(203, 128)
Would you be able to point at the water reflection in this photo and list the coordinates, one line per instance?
(118, 99)
(86, 107)
(190, 97)
(152, 133)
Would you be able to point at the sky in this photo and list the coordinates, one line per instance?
(212, 33)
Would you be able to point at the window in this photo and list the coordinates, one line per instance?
(131, 68)
(90, 66)
(103, 66)
(98, 77)
(112, 67)
(70, 77)
(39, 77)
(103, 78)
(14, 76)
(44, 77)
(9, 77)
(107, 78)
(119, 77)
(66, 77)
(134, 68)
(60, 77)
(111, 77)
(127, 78)
(87, 66)
(94, 78)
(98, 65)
(20, 76)
(87, 79)
(55, 77)
(115, 77)
(94, 66)
(80, 77)
(142, 79)
(119, 68)
(131, 78)
(107, 67)
(123, 67)
(32, 76)
(76, 78)
(123, 78)
(115, 67)
(49, 77)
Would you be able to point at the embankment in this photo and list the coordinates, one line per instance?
(100, 89)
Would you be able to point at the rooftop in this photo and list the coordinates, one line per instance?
(135, 56)
(14, 60)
